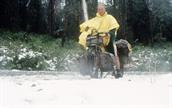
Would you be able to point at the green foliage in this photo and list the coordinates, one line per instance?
(40, 52)
(152, 59)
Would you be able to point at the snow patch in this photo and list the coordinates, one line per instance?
(132, 91)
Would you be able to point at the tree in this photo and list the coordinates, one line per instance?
(92, 8)
(51, 15)
(120, 10)
(72, 16)
(161, 18)
(9, 14)
(85, 11)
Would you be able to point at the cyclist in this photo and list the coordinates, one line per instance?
(103, 22)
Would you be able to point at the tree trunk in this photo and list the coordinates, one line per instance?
(51, 14)
(85, 12)
(123, 18)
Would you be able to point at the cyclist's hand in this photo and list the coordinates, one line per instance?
(107, 34)
(87, 28)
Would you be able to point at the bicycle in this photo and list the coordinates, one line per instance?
(95, 60)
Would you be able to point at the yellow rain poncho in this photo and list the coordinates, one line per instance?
(103, 23)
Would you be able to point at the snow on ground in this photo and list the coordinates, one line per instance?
(66, 91)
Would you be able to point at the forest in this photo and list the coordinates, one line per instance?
(37, 25)
(148, 21)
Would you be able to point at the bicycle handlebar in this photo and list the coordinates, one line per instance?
(94, 30)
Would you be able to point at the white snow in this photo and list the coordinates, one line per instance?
(24, 52)
(65, 91)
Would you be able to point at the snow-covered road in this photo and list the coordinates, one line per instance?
(68, 91)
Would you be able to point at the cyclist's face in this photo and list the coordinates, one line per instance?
(101, 10)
